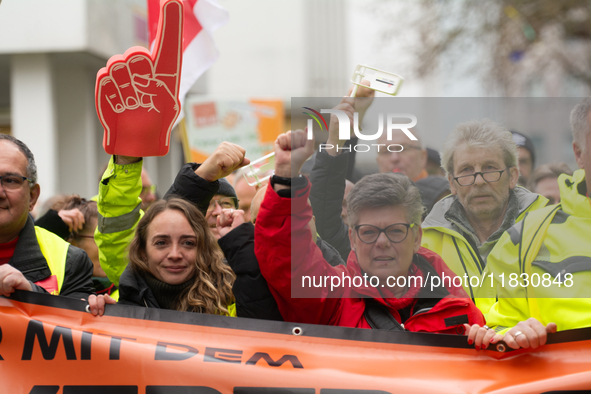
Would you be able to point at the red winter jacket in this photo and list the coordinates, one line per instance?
(282, 227)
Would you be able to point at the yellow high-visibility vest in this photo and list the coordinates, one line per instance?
(55, 251)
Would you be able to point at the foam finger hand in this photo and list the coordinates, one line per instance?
(136, 95)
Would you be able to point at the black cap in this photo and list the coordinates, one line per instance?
(522, 140)
(227, 190)
(434, 156)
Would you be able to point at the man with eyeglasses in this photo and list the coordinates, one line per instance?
(32, 258)
(224, 199)
(550, 253)
(480, 158)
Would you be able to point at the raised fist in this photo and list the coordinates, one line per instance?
(292, 149)
(229, 219)
(136, 95)
(226, 158)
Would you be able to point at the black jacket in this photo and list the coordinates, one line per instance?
(253, 297)
(191, 187)
(29, 260)
(326, 196)
(52, 221)
(133, 290)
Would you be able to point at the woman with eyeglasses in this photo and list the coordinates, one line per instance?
(387, 281)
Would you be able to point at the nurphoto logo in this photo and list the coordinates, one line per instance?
(392, 124)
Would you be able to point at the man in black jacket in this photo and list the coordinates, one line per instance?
(32, 258)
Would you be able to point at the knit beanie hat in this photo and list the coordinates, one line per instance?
(227, 190)
(524, 141)
(434, 156)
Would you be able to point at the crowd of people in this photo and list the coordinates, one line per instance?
(381, 251)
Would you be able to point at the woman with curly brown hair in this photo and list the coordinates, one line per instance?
(175, 263)
(166, 257)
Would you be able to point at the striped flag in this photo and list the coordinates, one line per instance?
(202, 18)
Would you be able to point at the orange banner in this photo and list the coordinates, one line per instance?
(50, 345)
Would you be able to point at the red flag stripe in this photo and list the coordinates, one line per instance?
(191, 26)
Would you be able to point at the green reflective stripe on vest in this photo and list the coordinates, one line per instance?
(55, 251)
(232, 310)
(118, 223)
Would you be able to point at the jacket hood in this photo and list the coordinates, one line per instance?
(436, 219)
(573, 190)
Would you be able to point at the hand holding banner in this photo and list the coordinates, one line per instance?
(49, 344)
(136, 94)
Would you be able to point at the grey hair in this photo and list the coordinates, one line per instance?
(385, 190)
(579, 123)
(481, 134)
(31, 166)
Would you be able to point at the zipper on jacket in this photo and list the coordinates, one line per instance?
(422, 311)
(477, 259)
(465, 269)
